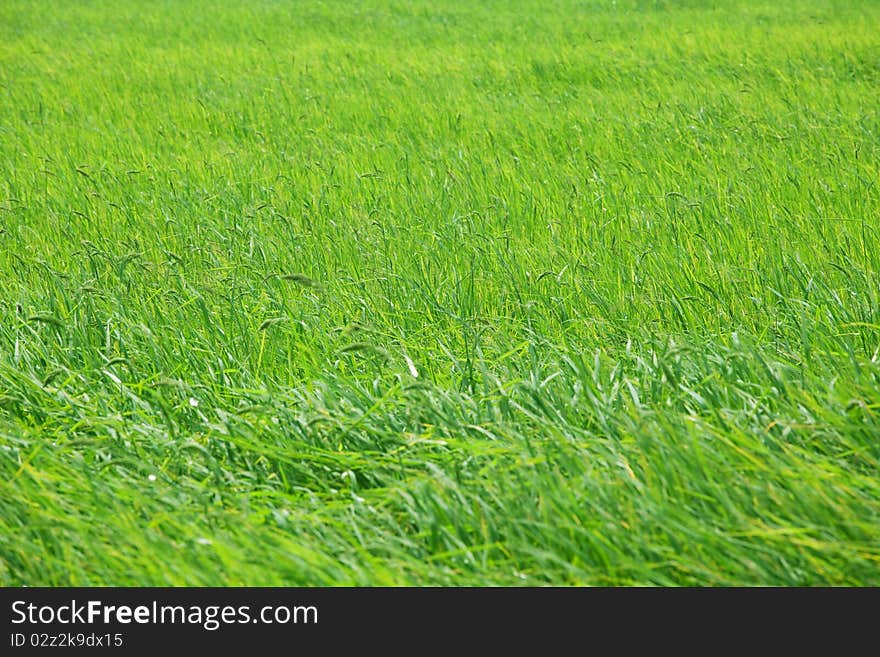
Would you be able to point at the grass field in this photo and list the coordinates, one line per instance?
(449, 293)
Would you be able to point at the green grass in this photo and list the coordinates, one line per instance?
(454, 293)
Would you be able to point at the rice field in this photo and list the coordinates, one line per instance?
(461, 292)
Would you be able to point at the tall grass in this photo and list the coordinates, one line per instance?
(439, 293)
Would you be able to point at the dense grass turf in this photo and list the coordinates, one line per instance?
(439, 292)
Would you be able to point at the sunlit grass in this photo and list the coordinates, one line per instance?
(448, 292)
